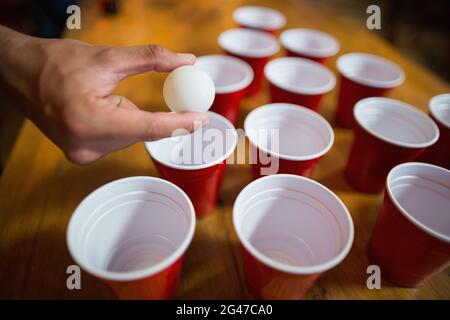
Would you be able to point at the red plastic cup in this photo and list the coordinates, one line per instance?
(254, 47)
(260, 18)
(286, 138)
(439, 153)
(309, 44)
(411, 238)
(388, 132)
(132, 233)
(231, 77)
(298, 81)
(196, 162)
(291, 229)
(363, 75)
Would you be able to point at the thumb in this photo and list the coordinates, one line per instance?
(138, 125)
(127, 61)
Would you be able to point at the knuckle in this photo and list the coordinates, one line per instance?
(156, 50)
(106, 55)
(154, 130)
(159, 55)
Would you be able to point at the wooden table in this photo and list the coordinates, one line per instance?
(40, 188)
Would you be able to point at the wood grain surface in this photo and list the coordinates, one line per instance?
(40, 189)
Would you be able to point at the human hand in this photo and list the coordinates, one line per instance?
(71, 85)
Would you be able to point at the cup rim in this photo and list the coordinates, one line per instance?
(225, 156)
(399, 104)
(142, 273)
(296, 89)
(298, 109)
(434, 106)
(382, 84)
(415, 222)
(220, 58)
(331, 50)
(240, 16)
(299, 270)
(224, 43)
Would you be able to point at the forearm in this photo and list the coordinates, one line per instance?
(21, 59)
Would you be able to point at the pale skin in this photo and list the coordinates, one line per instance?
(69, 89)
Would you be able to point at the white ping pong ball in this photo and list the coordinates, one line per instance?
(188, 88)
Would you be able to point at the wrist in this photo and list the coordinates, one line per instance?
(23, 61)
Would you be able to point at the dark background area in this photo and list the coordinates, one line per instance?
(419, 29)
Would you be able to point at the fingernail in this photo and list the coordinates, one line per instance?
(117, 100)
(205, 120)
(201, 121)
(187, 56)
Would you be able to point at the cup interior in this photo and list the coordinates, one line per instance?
(300, 76)
(248, 43)
(396, 122)
(205, 147)
(229, 74)
(440, 109)
(131, 228)
(302, 133)
(293, 224)
(259, 17)
(313, 43)
(422, 193)
(370, 70)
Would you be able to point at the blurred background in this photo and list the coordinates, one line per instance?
(419, 29)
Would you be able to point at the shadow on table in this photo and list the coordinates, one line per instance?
(237, 177)
(35, 268)
(351, 272)
(210, 266)
(336, 182)
(33, 251)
